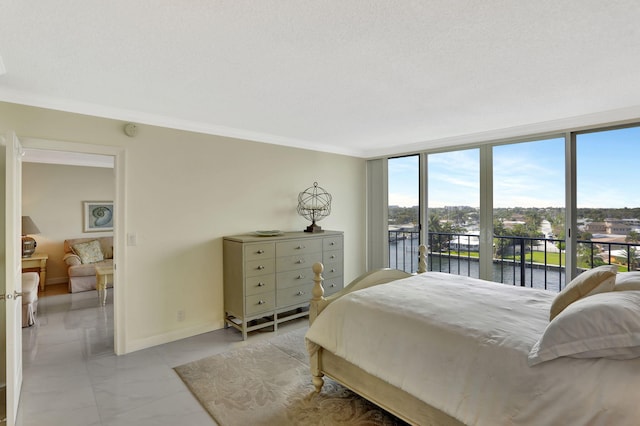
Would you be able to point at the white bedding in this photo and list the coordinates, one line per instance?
(461, 345)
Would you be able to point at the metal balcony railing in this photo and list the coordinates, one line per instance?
(524, 261)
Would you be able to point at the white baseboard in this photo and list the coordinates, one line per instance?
(161, 339)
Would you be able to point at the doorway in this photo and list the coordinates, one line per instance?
(116, 155)
(56, 185)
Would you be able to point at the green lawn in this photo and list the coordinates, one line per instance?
(553, 259)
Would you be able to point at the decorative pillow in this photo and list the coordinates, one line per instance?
(604, 325)
(593, 281)
(627, 281)
(89, 252)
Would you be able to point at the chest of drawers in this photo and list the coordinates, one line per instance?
(268, 280)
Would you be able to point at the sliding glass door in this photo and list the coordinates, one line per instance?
(529, 213)
(608, 200)
(404, 212)
(453, 212)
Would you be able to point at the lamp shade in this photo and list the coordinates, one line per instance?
(28, 227)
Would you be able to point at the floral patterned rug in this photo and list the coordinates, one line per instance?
(269, 383)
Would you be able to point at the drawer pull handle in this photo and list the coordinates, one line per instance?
(261, 302)
(301, 293)
(332, 243)
(300, 247)
(260, 284)
(333, 256)
(260, 252)
(300, 261)
(300, 277)
(260, 268)
(333, 270)
(332, 285)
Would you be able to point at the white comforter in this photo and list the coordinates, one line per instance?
(461, 345)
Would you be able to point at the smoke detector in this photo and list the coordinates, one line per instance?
(131, 129)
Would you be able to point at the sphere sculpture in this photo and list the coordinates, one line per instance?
(314, 204)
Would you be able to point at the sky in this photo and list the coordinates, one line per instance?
(529, 174)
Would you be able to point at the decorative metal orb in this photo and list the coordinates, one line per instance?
(314, 204)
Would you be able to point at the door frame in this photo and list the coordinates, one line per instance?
(119, 254)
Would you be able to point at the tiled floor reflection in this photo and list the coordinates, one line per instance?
(72, 377)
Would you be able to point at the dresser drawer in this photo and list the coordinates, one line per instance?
(332, 243)
(296, 247)
(260, 303)
(299, 261)
(294, 278)
(331, 286)
(332, 268)
(260, 267)
(294, 295)
(260, 284)
(332, 256)
(259, 251)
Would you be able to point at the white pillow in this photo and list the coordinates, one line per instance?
(627, 281)
(605, 325)
(590, 282)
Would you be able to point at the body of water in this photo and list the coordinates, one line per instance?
(403, 255)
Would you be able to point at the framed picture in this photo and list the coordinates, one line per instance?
(98, 216)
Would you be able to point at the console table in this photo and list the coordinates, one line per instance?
(268, 279)
(37, 261)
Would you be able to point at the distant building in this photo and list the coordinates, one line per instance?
(596, 228)
(465, 243)
(612, 226)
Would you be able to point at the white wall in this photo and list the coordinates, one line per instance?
(184, 191)
(53, 195)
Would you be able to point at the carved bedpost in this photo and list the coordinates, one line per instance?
(316, 305)
(317, 292)
(422, 258)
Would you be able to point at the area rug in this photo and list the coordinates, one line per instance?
(269, 383)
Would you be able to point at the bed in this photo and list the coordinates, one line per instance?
(441, 349)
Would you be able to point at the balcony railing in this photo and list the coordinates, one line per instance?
(524, 261)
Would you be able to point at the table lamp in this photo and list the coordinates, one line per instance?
(28, 243)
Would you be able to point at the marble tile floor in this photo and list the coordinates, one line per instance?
(73, 378)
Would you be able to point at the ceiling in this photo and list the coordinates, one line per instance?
(356, 77)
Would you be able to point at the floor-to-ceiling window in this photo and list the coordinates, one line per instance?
(453, 211)
(404, 220)
(537, 190)
(529, 213)
(607, 198)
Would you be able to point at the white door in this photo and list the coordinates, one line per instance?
(13, 285)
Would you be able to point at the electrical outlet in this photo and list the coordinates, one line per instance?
(181, 315)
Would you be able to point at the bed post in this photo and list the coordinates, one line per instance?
(316, 305)
(422, 259)
(317, 292)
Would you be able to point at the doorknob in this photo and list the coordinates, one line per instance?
(15, 295)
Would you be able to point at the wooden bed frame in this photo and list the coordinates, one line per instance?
(380, 392)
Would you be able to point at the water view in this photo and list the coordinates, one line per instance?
(526, 203)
